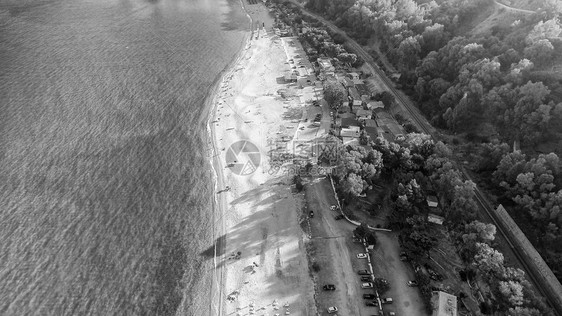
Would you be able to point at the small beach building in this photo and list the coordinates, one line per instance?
(363, 115)
(432, 201)
(444, 304)
(435, 219)
(325, 65)
(371, 105)
(358, 103)
(290, 77)
(352, 131)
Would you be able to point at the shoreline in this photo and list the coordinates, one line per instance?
(219, 206)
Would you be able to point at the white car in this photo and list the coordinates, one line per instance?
(367, 285)
(361, 256)
(387, 300)
(332, 310)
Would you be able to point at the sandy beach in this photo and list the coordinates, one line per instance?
(261, 265)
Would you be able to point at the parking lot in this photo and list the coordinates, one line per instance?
(387, 264)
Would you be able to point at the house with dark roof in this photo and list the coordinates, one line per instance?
(363, 90)
(363, 114)
(370, 123)
(372, 132)
(349, 122)
(354, 94)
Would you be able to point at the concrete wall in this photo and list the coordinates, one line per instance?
(544, 275)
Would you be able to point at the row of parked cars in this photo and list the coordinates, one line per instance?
(366, 279)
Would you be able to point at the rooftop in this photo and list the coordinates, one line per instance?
(444, 304)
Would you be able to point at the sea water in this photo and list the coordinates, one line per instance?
(105, 198)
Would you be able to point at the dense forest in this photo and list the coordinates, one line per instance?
(492, 81)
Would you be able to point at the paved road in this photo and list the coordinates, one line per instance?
(332, 252)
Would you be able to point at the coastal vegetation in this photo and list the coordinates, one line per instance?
(487, 76)
(414, 167)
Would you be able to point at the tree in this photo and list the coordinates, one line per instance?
(386, 98)
(381, 285)
(488, 260)
(477, 231)
(420, 239)
(523, 311)
(352, 185)
(347, 58)
(298, 182)
(434, 37)
(528, 119)
(409, 51)
(544, 30)
(490, 155)
(511, 294)
(363, 138)
(540, 52)
(334, 93)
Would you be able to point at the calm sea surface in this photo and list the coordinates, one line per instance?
(105, 188)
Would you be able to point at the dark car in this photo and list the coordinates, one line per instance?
(338, 217)
(329, 287)
(371, 303)
(369, 296)
(413, 283)
(403, 256)
(363, 272)
(366, 279)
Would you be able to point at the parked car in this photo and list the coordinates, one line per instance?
(369, 296)
(371, 303)
(367, 285)
(356, 239)
(366, 279)
(387, 300)
(311, 214)
(332, 310)
(329, 287)
(413, 283)
(361, 256)
(387, 313)
(363, 272)
(403, 256)
(433, 275)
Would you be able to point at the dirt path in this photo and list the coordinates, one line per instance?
(514, 9)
